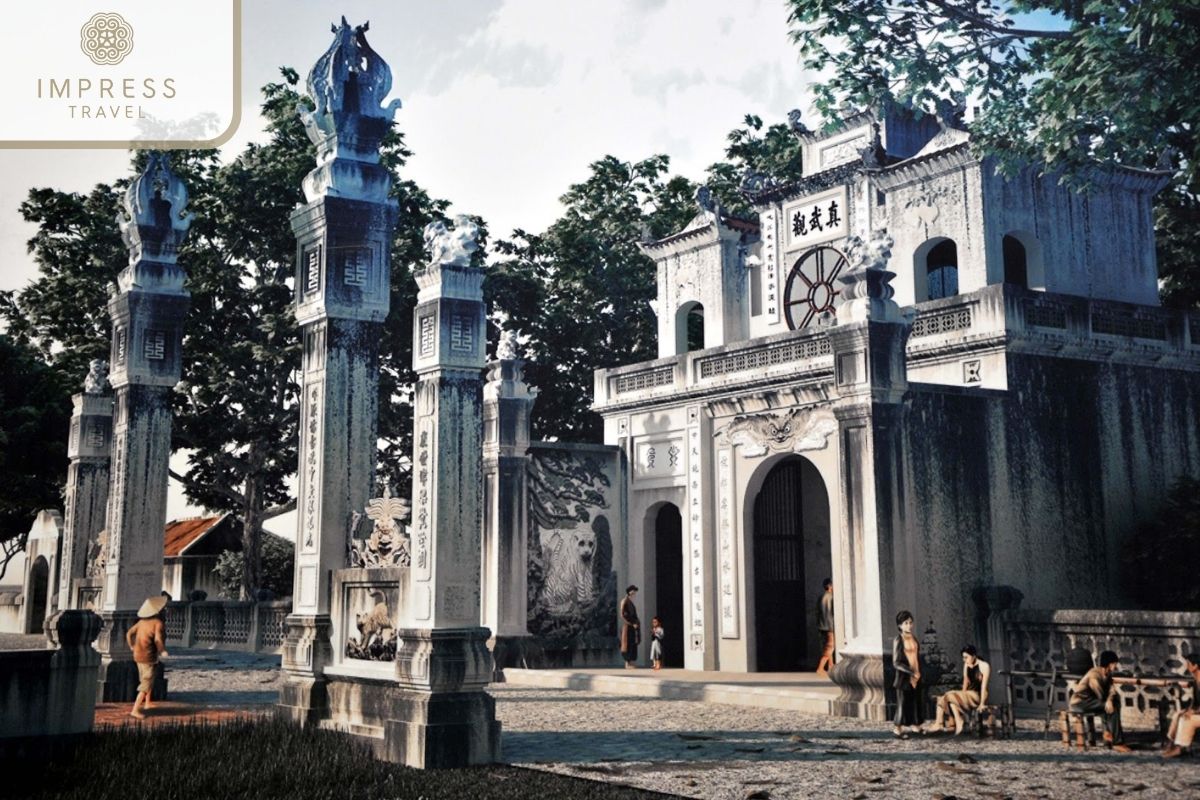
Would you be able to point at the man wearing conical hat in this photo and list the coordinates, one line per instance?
(147, 640)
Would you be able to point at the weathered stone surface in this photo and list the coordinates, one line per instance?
(51, 691)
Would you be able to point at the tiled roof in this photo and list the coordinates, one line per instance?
(182, 533)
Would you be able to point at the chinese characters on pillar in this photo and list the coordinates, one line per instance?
(816, 218)
(770, 262)
(311, 465)
(725, 541)
(695, 515)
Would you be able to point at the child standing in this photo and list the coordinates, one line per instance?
(147, 640)
(656, 631)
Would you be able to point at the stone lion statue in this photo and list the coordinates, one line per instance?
(455, 247)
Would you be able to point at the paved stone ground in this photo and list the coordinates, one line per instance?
(723, 752)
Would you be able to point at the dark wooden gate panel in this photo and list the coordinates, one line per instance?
(668, 569)
(779, 589)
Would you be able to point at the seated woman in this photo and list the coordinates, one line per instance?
(1186, 723)
(973, 694)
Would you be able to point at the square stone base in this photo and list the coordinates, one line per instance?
(117, 682)
(422, 729)
(863, 692)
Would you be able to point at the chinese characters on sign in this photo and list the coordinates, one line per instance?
(817, 218)
(695, 526)
(770, 283)
(728, 579)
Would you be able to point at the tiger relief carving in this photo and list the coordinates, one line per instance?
(570, 579)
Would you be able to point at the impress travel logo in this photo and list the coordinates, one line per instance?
(82, 77)
(106, 38)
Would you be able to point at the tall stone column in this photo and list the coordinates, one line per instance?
(88, 450)
(148, 312)
(444, 718)
(870, 379)
(507, 406)
(343, 278)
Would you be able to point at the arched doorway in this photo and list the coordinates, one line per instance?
(792, 556)
(668, 584)
(38, 594)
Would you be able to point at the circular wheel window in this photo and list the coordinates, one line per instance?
(812, 286)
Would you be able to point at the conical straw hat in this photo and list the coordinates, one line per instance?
(152, 607)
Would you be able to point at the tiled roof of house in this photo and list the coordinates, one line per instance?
(182, 533)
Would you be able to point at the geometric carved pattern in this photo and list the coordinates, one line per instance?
(760, 358)
(312, 270)
(426, 335)
(355, 263)
(1128, 325)
(958, 319)
(1045, 315)
(646, 379)
(155, 345)
(462, 334)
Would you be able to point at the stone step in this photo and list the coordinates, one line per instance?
(793, 691)
(357, 729)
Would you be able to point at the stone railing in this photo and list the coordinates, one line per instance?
(781, 356)
(1151, 644)
(228, 625)
(51, 690)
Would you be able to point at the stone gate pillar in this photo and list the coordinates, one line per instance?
(507, 406)
(88, 450)
(870, 378)
(148, 313)
(444, 718)
(343, 280)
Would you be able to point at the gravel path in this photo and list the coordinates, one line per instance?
(723, 752)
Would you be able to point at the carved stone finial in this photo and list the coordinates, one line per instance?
(753, 183)
(347, 84)
(96, 381)
(155, 221)
(704, 198)
(794, 122)
(868, 292)
(874, 156)
(508, 349)
(453, 247)
(1166, 160)
(386, 546)
(950, 112)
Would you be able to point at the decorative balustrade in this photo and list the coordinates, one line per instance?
(760, 357)
(228, 625)
(1150, 644)
(645, 379)
(931, 323)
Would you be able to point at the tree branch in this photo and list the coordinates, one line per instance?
(983, 22)
(279, 510)
(228, 494)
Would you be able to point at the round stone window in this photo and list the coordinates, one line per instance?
(812, 287)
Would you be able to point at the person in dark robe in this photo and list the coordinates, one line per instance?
(631, 628)
(906, 660)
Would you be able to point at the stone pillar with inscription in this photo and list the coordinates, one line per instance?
(147, 312)
(443, 717)
(507, 407)
(88, 450)
(343, 276)
(870, 381)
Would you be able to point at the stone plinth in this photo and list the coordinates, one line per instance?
(88, 450)
(51, 691)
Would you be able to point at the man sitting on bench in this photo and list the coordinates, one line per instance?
(1095, 693)
(973, 694)
(1186, 722)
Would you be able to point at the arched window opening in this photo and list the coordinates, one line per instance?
(1016, 263)
(695, 328)
(941, 270)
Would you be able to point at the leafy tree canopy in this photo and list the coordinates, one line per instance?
(35, 410)
(1108, 81)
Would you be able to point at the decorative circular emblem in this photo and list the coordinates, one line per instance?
(106, 38)
(812, 286)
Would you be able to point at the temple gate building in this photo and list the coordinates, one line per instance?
(912, 375)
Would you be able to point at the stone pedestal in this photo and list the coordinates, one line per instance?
(88, 450)
(147, 313)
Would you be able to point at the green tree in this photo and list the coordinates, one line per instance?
(579, 292)
(775, 153)
(278, 564)
(35, 411)
(1105, 81)
(1159, 558)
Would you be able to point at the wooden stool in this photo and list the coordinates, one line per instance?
(1079, 720)
(994, 719)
